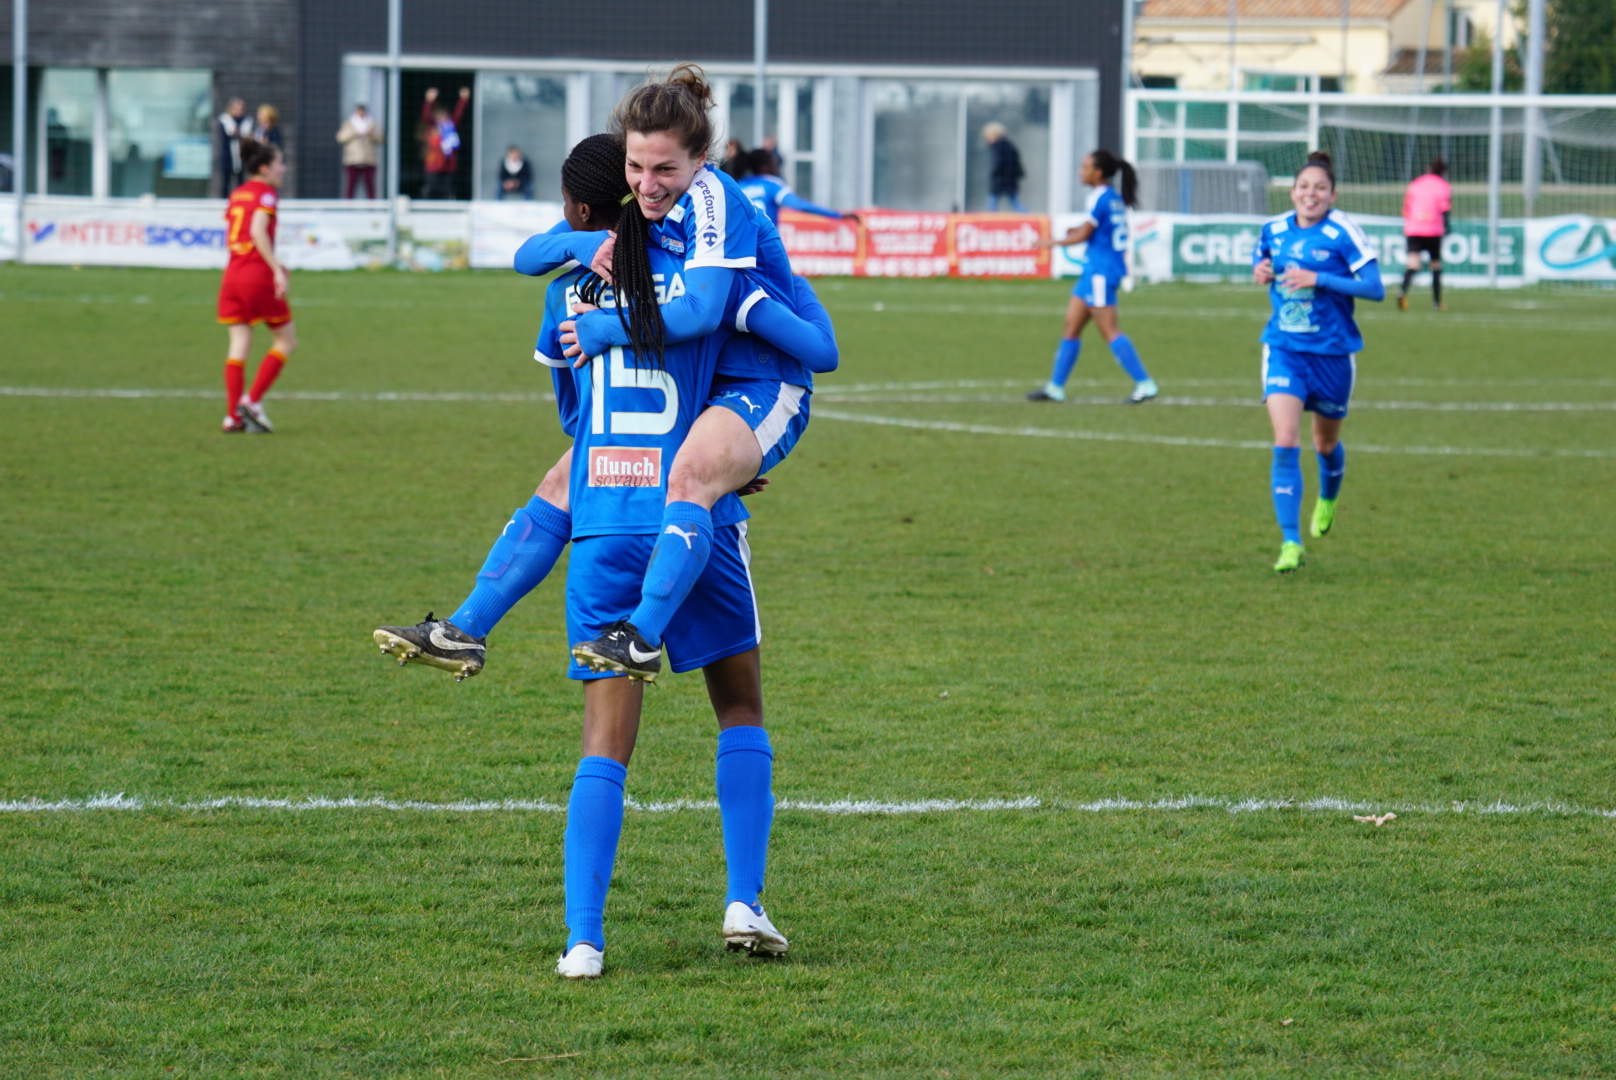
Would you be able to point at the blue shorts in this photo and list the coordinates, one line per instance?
(718, 619)
(1097, 289)
(777, 412)
(1323, 382)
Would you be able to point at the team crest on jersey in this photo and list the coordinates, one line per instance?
(675, 246)
(1318, 255)
(625, 466)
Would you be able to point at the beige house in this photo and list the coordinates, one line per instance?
(1372, 45)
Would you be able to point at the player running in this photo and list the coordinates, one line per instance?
(1315, 261)
(254, 288)
(594, 194)
(1426, 205)
(769, 193)
(1105, 265)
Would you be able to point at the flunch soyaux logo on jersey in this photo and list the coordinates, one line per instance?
(625, 466)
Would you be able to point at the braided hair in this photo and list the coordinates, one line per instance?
(593, 174)
(679, 106)
(1109, 165)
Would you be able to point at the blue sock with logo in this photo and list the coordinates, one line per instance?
(594, 825)
(746, 805)
(1065, 360)
(1128, 357)
(1332, 468)
(677, 561)
(1287, 487)
(523, 556)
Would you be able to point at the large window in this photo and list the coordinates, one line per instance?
(67, 108)
(530, 113)
(159, 140)
(1023, 109)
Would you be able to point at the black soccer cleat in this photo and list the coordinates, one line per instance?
(623, 650)
(437, 642)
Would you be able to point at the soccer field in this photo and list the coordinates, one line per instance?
(1068, 775)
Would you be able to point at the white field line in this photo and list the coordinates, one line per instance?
(1185, 440)
(293, 395)
(1364, 380)
(1173, 804)
(934, 398)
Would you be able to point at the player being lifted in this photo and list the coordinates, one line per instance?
(1315, 261)
(1105, 265)
(254, 288)
(734, 269)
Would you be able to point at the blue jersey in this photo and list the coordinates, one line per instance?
(766, 193)
(715, 224)
(1107, 254)
(627, 418)
(1313, 320)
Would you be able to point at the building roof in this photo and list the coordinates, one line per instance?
(1406, 61)
(1270, 9)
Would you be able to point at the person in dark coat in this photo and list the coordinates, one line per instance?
(1004, 176)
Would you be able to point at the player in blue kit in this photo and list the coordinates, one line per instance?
(1105, 265)
(593, 190)
(1315, 261)
(769, 193)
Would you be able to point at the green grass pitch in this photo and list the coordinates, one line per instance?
(965, 597)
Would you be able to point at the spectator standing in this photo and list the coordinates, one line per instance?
(234, 125)
(1425, 222)
(442, 152)
(515, 175)
(359, 136)
(1005, 173)
(269, 127)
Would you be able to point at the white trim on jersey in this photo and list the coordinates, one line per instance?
(1090, 205)
(1356, 235)
(549, 361)
(1352, 358)
(710, 203)
(786, 407)
(747, 305)
(745, 550)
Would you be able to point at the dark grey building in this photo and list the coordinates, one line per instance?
(872, 101)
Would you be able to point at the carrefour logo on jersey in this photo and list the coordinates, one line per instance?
(95, 234)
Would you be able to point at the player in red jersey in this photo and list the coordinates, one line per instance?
(254, 287)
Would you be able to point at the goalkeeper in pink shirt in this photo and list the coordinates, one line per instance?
(1425, 223)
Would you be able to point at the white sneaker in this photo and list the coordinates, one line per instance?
(253, 413)
(752, 931)
(583, 962)
(1142, 392)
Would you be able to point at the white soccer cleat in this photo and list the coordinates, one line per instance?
(584, 961)
(253, 413)
(752, 931)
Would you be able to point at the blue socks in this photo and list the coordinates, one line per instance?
(1128, 357)
(677, 561)
(1287, 487)
(1065, 360)
(524, 554)
(1332, 467)
(746, 805)
(594, 824)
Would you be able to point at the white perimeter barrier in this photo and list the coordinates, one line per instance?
(333, 235)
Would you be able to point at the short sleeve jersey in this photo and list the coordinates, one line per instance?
(1424, 203)
(628, 418)
(715, 224)
(766, 193)
(1313, 320)
(244, 204)
(1108, 245)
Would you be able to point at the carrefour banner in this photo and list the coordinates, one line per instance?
(885, 243)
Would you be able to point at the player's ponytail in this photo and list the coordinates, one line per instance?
(678, 105)
(593, 174)
(255, 155)
(1110, 165)
(1320, 159)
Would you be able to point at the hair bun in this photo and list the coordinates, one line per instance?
(694, 81)
(1319, 157)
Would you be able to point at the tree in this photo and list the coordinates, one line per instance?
(1473, 74)
(1581, 53)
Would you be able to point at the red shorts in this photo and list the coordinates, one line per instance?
(247, 295)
